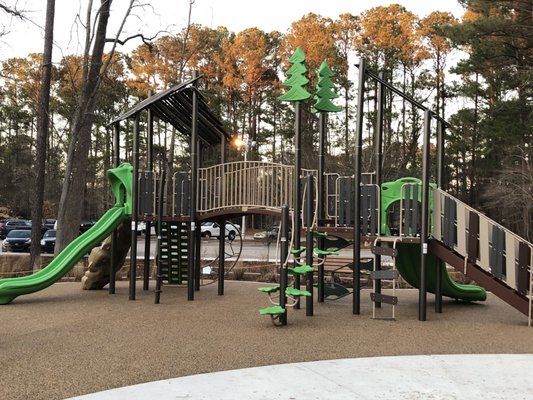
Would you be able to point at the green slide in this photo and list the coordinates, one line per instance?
(120, 179)
(408, 265)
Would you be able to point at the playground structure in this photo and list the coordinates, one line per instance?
(417, 224)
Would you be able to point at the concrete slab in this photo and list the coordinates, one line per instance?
(483, 377)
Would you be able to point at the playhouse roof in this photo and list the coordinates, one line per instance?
(174, 106)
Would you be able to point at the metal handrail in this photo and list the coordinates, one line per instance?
(246, 184)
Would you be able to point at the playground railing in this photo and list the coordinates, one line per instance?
(246, 184)
(499, 251)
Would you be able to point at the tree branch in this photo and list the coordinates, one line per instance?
(146, 40)
(12, 11)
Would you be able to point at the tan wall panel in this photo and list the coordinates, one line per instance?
(484, 230)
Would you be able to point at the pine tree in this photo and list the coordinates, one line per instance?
(297, 79)
(325, 93)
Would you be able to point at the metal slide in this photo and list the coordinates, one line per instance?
(408, 264)
(121, 183)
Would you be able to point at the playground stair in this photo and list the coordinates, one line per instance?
(384, 246)
(292, 293)
(173, 250)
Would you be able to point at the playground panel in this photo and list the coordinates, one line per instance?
(495, 249)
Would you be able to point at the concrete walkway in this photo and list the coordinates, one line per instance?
(470, 377)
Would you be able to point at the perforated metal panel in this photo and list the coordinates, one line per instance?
(345, 200)
(173, 252)
(496, 252)
(146, 192)
(181, 194)
(449, 222)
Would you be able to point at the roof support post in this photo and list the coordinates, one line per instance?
(135, 207)
(114, 237)
(356, 306)
(378, 153)
(194, 193)
(422, 301)
(321, 206)
(148, 224)
(297, 185)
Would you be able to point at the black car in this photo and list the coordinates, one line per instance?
(8, 225)
(17, 240)
(85, 225)
(49, 223)
(48, 241)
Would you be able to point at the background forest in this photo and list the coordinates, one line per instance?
(475, 72)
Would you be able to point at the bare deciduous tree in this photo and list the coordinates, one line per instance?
(511, 196)
(42, 133)
(94, 70)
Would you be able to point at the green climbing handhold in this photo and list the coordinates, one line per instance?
(274, 310)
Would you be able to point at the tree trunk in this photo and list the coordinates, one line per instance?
(42, 135)
(73, 192)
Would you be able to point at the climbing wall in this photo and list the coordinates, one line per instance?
(173, 252)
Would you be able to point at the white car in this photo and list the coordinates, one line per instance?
(141, 228)
(212, 229)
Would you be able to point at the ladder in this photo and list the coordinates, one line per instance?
(390, 275)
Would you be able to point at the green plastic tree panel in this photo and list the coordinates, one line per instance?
(297, 80)
(325, 93)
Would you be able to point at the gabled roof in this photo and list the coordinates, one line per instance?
(174, 106)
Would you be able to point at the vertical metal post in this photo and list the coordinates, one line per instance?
(135, 207)
(441, 183)
(357, 190)
(422, 302)
(378, 151)
(198, 235)
(284, 253)
(221, 256)
(193, 193)
(221, 247)
(441, 142)
(297, 188)
(309, 243)
(439, 266)
(223, 149)
(159, 275)
(114, 237)
(148, 224)
(322, 122)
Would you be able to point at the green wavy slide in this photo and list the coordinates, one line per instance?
(120, 179)
(408, 265)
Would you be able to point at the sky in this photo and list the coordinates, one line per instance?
(171, 15)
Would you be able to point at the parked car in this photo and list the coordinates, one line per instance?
(85, 225)
(48, 241)
(49, 223)
(17, 240)
(141, 228)
(212, 229)
(271, 233)
(11, 224)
